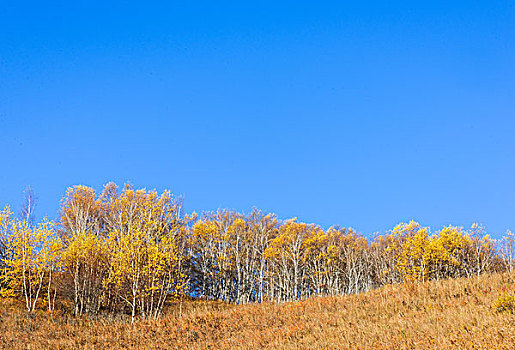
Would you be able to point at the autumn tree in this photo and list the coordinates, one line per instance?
(323, 258)
(481, 250)
(287, 251)
(411, 260)
(31, 256)
(507, 250)
(213, 240)
(146, 250)
(263, 229)
(85, 256)
(446, 252)
(356, 273)
(384, 251)
(6, 222)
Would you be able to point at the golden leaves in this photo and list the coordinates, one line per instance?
(31, 251)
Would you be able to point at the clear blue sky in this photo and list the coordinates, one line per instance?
(363, 115)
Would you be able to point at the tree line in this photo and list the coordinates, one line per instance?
(130, 251)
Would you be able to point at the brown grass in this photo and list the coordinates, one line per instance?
(451, 314)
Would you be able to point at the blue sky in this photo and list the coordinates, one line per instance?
(360, 114)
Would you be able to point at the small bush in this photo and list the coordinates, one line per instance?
(505, 303)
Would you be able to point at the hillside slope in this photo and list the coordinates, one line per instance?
(450, 314)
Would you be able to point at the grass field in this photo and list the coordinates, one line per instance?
(449, 314)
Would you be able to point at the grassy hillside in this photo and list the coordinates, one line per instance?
(449, 314)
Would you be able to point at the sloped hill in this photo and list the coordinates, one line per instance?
(448, 314)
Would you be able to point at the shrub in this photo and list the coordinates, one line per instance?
(505, 303)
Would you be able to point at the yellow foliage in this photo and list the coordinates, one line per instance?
(505, 303)
(32, 252)
(411, 252)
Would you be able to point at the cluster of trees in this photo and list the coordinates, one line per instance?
(130, 251)
(241, 259)
(116, 252)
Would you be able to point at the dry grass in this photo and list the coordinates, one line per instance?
(451, 314)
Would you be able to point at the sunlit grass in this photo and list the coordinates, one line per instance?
(448, 314)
